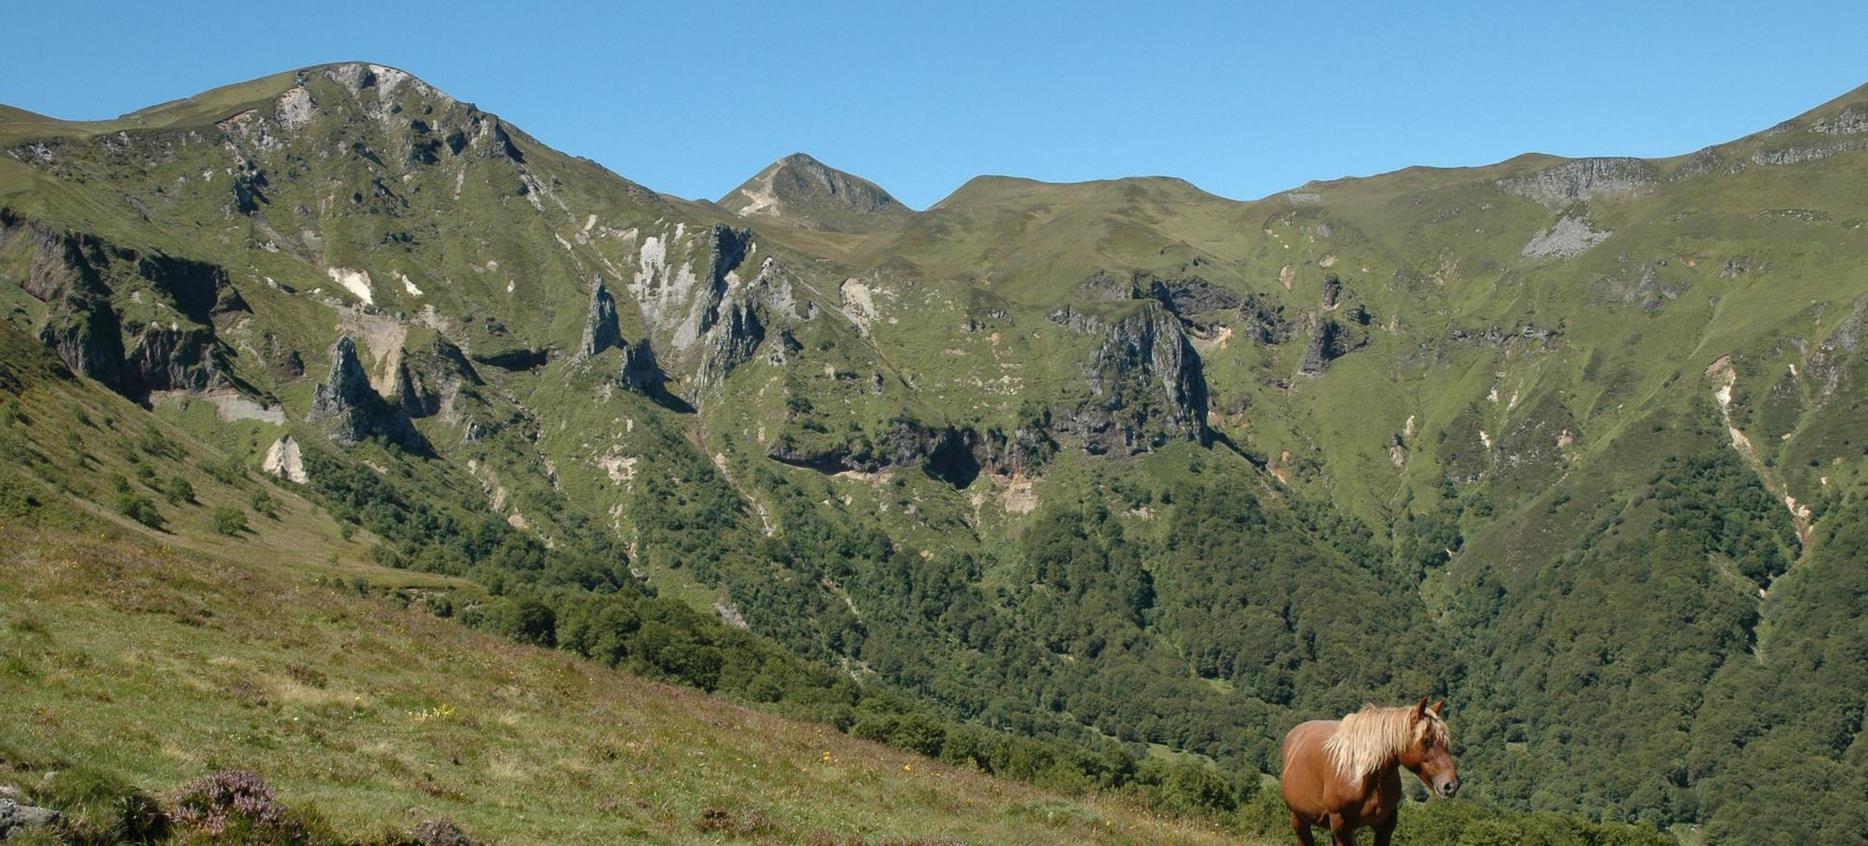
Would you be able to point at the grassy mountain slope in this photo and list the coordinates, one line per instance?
(382, 718)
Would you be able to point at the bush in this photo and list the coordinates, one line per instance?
(228, 520)
(263, 505)
(178, 491)
(140, 509)
(528, 621)
(237, 806)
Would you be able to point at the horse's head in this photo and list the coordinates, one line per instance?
(1429, 755)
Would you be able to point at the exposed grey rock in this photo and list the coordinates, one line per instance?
(1851, 120)
(1650, 286)
(950, 454)
(1568, 237)
(1326, 345)
(16, 818)
(1833, 363)
(601, 331)
(1146, 385)
(80, 277)
(1187, 297)
(746, 314)
(640, 372)
(439, 833)
(429, 380)
(1263, 320)
(1582, 179)
(351, 410)
(1493, 336)
(738, 336)
(727, 250)
(1332, 292)
(1799, 155)
(1192, 297)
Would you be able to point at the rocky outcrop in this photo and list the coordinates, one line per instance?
(1338, 328)
(727, 250)
(1020, 452)
(1263, 320)
(429, 380)
(601, 331)
(1582, 179)
(1145, 381)
(737, 338)
(1570, 236)
(1651, 285)
(351, 411)
(746, 315)
(1499, 338)
(137, 322)
(1188, 297)
(1836, 361)
(439, 833)
(953, 455)
(286, 461)
(640, 372)
(18, 819)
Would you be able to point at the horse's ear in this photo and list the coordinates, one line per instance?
(1438, 709)
(1420, 709)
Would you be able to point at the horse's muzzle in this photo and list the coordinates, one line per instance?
(1449, 788)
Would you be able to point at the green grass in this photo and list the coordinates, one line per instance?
(157, 666)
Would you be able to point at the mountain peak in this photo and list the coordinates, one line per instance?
(800, 189)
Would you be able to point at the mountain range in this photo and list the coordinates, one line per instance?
(1119, 465)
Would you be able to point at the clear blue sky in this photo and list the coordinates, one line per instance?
(1243, 99)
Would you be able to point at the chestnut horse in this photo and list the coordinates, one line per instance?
(1346, 773)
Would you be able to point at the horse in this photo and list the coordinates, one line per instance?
(1346, 773)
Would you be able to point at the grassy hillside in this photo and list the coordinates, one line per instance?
(155, 667)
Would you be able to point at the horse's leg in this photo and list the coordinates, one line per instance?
(1302, 827)
(1385, 829)
(1342, 833)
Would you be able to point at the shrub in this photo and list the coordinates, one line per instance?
(237, 806)
(140, 509)
(178, 491)
(229, 520)
(263, 505)
(528, 621)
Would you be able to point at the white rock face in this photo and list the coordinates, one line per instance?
(387, 78)
(858, 305)
(668, 296)
(285, 461)
(357, 282)
(296, 108)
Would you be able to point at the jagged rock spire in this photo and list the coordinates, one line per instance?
(601, 331)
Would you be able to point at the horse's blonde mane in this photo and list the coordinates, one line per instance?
(1371, 738)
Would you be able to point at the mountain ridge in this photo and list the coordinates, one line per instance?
(216, 101)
